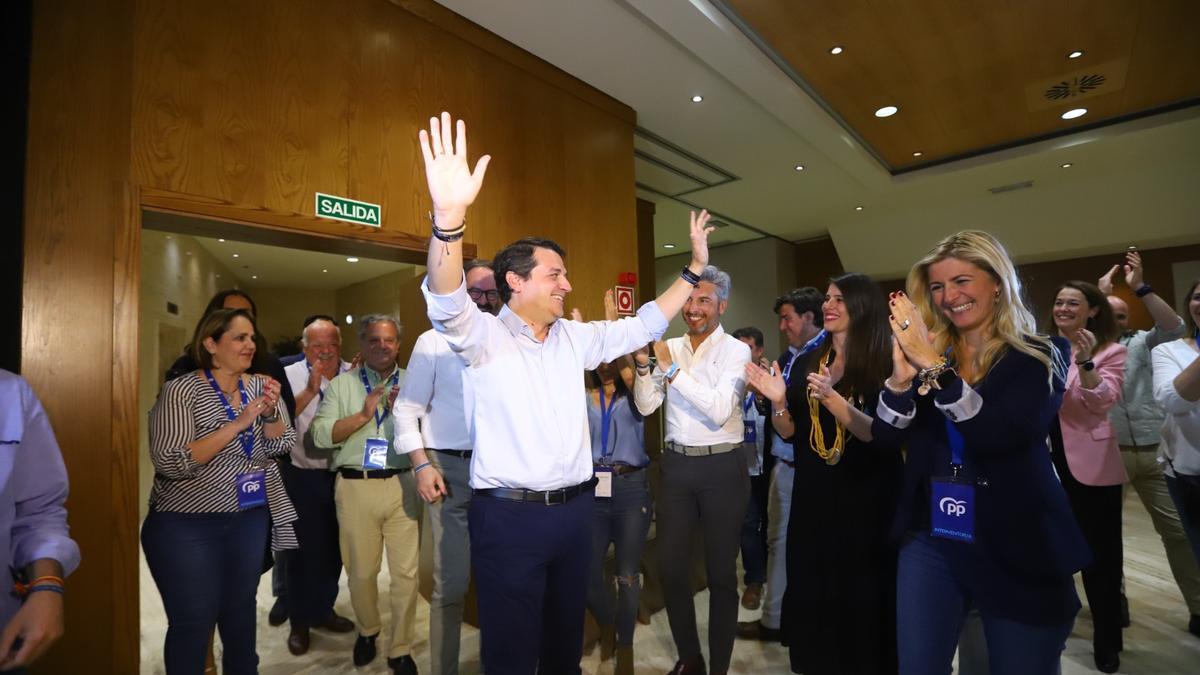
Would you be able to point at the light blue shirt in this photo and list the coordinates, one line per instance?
(626, 433)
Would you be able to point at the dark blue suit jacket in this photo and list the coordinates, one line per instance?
(1027, 543)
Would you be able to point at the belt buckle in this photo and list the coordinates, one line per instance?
(551, 493)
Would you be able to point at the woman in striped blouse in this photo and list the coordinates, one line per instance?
(216, 494)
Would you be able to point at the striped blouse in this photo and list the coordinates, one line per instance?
(188, 409)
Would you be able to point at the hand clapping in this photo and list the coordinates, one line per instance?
(910, 332)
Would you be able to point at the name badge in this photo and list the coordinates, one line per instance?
(604, 475)
(952, 509)
(750, 433)
(375, 453)
(252, 489)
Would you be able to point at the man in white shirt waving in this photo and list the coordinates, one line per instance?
(531, 472)
(431, 415)
(705, 481)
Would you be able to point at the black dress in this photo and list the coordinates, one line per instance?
(839, 610)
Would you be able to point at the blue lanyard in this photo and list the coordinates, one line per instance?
(748, 403)
(808, 347)
(957, 444)
(245, 437)
(379, 418)
(605, 422)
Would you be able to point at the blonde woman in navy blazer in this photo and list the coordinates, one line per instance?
(1087, 456)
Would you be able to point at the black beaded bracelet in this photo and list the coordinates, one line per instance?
(448, 237)
(690, 276)
(1143, 290)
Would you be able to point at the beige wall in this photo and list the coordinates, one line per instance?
(760, 271)
(398, 293)
(169, 274)
(281, 311)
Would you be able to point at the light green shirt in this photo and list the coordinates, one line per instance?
(344, 397)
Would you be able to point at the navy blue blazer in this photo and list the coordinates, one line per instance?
(1027, 543)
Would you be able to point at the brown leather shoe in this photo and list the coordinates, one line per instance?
(297, 641)
(336, 624)
(692, 666)
(752, 596)
(755, 630)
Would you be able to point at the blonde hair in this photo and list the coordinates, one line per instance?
(1012, 325)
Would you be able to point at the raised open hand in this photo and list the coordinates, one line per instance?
(909, 330)
(452, 184)
(769, 383)
(1133, 269)
(1105, 283)
(700, 230)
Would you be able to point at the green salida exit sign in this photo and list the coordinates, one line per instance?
(348, 210)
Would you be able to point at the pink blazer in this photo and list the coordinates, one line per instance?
(1088, 438)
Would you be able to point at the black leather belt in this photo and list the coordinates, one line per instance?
(620, 469)
(463, 454)
(547, 497)
(347, 472)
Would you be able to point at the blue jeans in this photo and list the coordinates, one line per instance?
(623, 520)
(754, 532)
(931, 606)
(206, 567)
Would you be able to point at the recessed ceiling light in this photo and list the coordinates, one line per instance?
(351, 259)
(918, 153)
(236, 255)
(324, 270)
(1072, 114)
(253, 276)
(1075, 54)
(858, 208)
(668, 245)
(697, 98)
(1066, 165)
(221, 240)
(799, 167)
(887, 111)
(349, 319)
(836, 50)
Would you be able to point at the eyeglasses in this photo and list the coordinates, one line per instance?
(477, 293)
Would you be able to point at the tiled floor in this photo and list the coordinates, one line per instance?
(1157, 643)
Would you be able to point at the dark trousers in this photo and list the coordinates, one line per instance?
(1098, 511)
(932, 602)
(622, 520)
(1185, 492)
(206, 567)
(706, 494)
(754, 531)
(312, 571)
(531, 564)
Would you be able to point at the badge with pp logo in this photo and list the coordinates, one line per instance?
(251, 489)
(952, 509)
(749, 432)
(375, 453)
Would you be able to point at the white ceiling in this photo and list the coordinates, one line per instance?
(261, 266)
(1130, 183)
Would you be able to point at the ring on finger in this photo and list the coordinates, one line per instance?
(905, 324)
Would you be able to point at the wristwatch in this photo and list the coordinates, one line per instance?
(1086, 365)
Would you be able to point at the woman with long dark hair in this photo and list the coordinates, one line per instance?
(839, 607)
(1087, 456)
(983, 521)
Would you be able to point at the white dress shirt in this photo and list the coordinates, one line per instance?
(1181, 429)
(305, 454)
(704, 407)
(530, 425)
(430, 411)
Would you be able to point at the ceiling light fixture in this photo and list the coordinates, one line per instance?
(324, 270)
(236, 255)
(253, 276)
(1073, 113)
(887, 111)
(697, 98)
(351, 259)
(349, 319)
(858, 208)
(1066, 165)
(836, 50)
(221, 240)
(799, 167)
(1075, 54)
(918, 153)
(668, 245)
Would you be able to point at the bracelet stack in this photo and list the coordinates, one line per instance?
(47, 583)
(422, 465)
(929, 376)
(448, 236)
(690, 276)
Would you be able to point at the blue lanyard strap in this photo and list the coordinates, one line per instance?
(605, 423)
(812, 344)
(957, 444)
(246, 438)
(748, 403)
(379, 418)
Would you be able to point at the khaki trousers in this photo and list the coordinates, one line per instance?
(375, 515)
(1146, 477)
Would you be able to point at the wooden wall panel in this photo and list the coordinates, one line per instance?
(241, 111)
(77, 214)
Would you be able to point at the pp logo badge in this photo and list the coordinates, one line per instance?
(623, 295)
(952, 507)
(251, 487)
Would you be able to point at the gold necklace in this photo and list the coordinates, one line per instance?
(816, 436)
